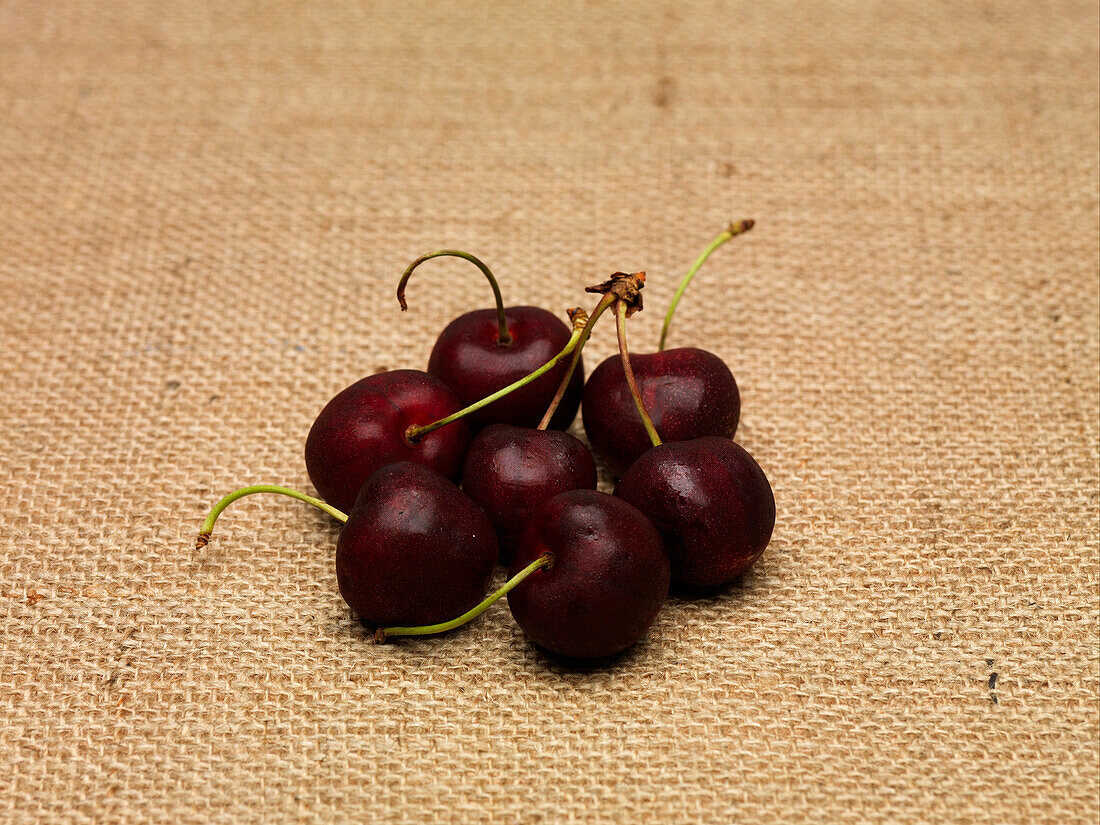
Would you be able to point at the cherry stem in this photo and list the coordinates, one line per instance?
(208, 525)
(734, 229)
(383, 633)
(414, 433)
(503, 335)
(628, 369)
(606, 301)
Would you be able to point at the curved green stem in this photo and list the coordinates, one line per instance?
(208, 525)
(734, 229)
(628, 370)
(579, 322)
(503, 335)
(383, 633)
(606, 301)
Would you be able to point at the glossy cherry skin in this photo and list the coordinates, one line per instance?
(469, 359)
(609, 578)
(688, 393)
(416, 550)
(363, 428)
(509, 471)
(711, 503)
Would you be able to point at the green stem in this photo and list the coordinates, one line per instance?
(734, 229)
(415, 432)
(606, 301)
(208, 525)
(383, 633)
(628, 369)
(503, 335)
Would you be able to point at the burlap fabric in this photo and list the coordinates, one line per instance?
(204, 208)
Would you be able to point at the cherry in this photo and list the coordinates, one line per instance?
(414, 548)
(711, 503)
(608, 579)
(482, 351)
(509, 471)
(366, 426)
(689, 392)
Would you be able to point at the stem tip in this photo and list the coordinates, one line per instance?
(202, 540)
(380, 636)
(625, 286)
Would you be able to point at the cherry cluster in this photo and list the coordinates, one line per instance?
(588, 571)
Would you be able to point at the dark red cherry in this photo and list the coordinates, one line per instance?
(688, 392)
(363, 428)
(711, 503)
(509, 471)
(469, 358)
(415, 550)
(609, 577)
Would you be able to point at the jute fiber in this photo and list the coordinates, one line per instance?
(204, 208)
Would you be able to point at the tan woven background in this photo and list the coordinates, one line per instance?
(203, 211)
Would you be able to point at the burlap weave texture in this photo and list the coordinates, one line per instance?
(204, 208)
